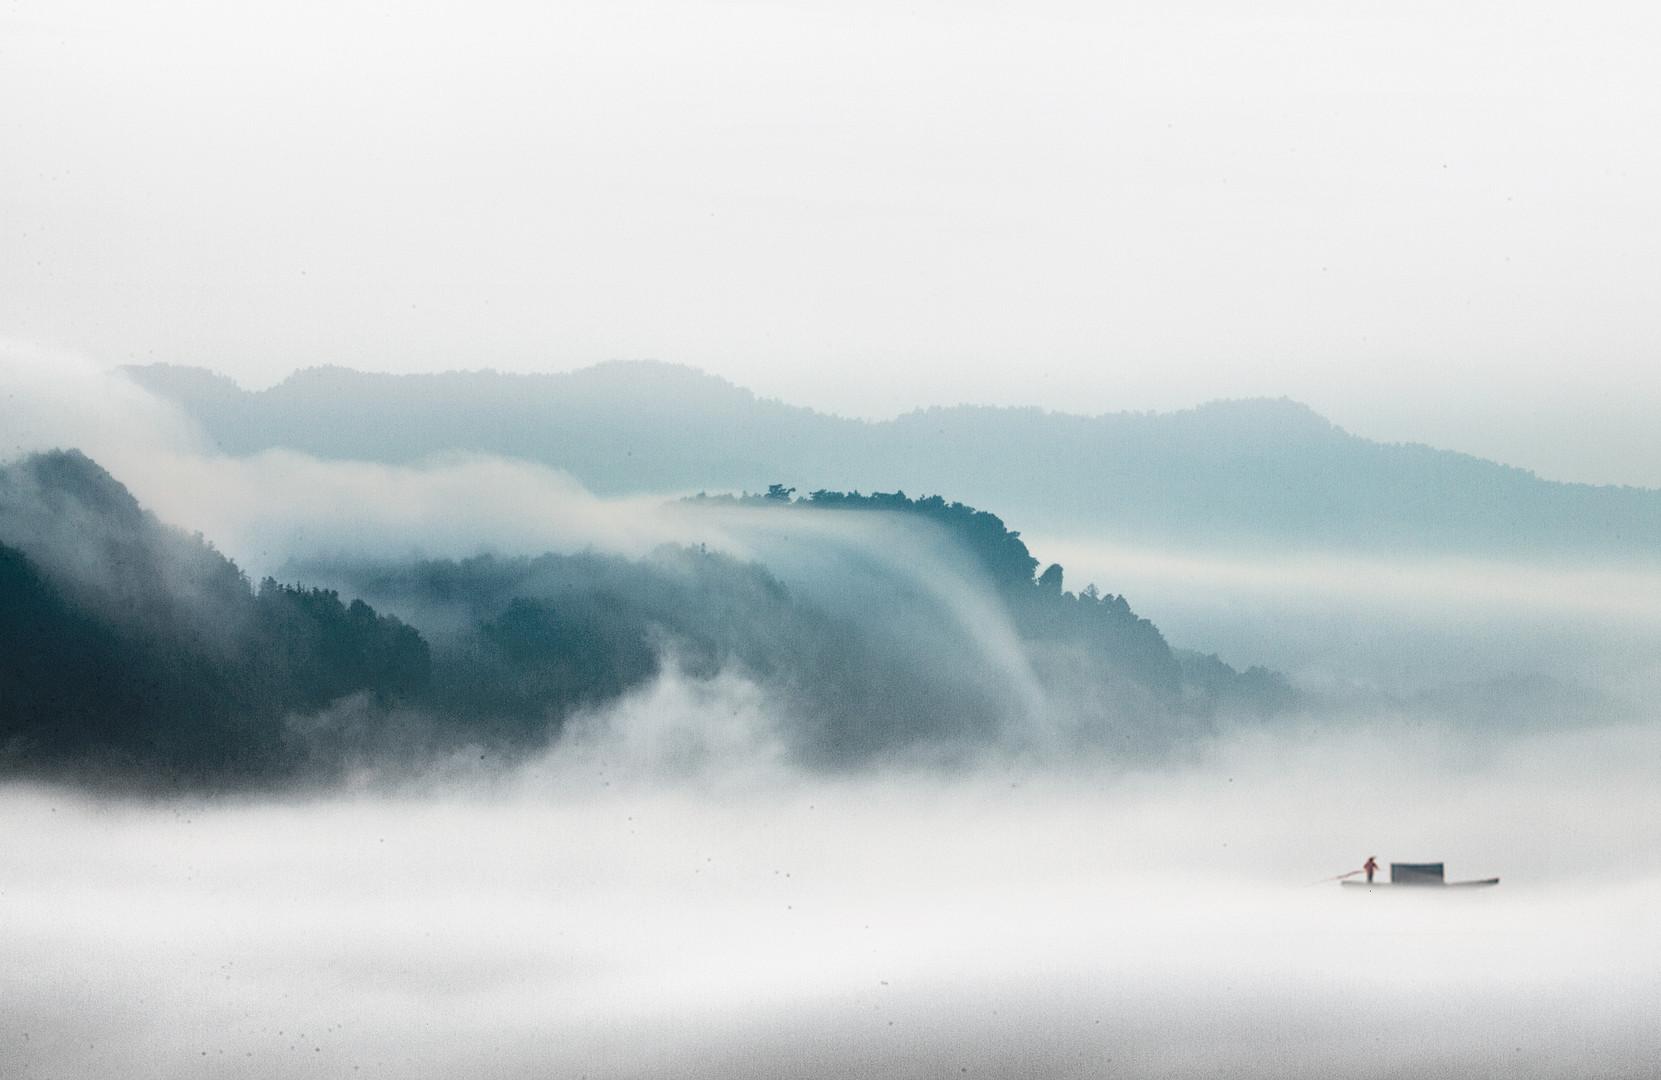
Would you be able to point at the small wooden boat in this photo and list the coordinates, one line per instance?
(1420, 876)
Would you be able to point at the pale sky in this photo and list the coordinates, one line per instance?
(1435, 222)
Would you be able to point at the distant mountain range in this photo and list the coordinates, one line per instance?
(1264, 474)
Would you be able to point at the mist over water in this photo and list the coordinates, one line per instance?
(594, 913)
(667, 890)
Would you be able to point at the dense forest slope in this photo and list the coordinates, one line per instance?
(134, 649)
(131, 646)
(1259, 472)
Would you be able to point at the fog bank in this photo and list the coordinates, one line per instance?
(591, 915)
(1399, 625)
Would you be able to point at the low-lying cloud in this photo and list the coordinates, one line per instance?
(591, 915)
(268, 509)
(1341, 622)
(666, 890)
(52, 399)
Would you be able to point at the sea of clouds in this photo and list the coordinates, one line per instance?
(664, 893)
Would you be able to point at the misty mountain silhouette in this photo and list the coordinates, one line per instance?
(1256, 473)
(136, 650)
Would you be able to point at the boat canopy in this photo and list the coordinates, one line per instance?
(1408, 873)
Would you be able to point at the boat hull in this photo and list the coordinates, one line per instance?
(1480, 883)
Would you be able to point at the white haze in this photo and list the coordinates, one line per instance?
(664, 894)
(844, 563)
(1399, 625)
(595, 915)
(1430, 221)
(278, 506)
(1340, 622)
(52, 399)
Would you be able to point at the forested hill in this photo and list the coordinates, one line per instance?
(1087, 643)
(132, 648)
(137, 651)
(1268, 473)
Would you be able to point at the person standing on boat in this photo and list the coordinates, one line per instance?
(1371, 866)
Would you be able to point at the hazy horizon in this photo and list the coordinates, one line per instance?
(1070, 407)
(1448, 427)
(1430, 224)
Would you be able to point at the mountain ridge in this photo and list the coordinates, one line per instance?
(146, 653)
(1257, 472)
